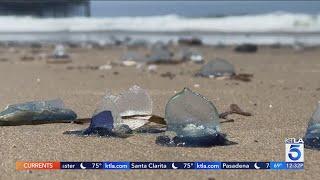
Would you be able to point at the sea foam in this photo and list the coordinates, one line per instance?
(271, 22)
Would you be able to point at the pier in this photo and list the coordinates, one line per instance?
(58, 8)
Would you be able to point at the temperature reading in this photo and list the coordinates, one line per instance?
(267, 165)
(96, 165)
(187, 165)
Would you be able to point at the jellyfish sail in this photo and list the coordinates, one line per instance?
(312, 136)
(118, 115)
(190, 114)
(135, 101)
(217, 68)
(130, 107)
(59, 52)
(193, 120)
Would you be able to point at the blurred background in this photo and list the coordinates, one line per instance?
(215, 22)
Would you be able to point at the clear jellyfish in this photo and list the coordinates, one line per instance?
(189, 114)
(135, 101)
(38, 105)
(133, 56)
(190, 55)
(160, 56)
(192, 121)
(102, 124)
(107, 104)
(138, 43)
(118, 115)
(196, 57)
(312, 136)
(29, 112)
(217, 68)
(60, 52)
(131, 107)
(159, 45)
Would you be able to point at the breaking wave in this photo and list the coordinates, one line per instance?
(271, 22)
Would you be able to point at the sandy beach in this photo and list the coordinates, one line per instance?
(282, 95)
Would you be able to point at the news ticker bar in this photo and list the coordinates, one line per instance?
(159, 165)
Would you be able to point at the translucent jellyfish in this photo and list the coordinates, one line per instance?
(36, 111)
(196, 57)
(312, 136)
(135, 101)
(217, 68)
(191, 115)
(160, 56)
(138, 43)
(115, 40)
(60, 52)
(193, 120)
(118, 115)
(133, 56)
(189, 55)
(102, 124)
(37, 105)
(159, 45)
(107, 104)
(132, 107)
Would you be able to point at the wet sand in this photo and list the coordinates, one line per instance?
(282, 96)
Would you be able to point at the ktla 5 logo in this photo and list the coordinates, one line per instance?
(294, 150)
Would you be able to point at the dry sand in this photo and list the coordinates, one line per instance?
(285, 79)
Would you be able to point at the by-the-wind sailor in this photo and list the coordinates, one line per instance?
(138, 43)
(133, 56)
(193, 119)
(312, 136)
(131, 107)
(217, 68)
(60, 52)
(102, 124)
(59, 56)
(195, 57)
(159, 56)
(159, 45)
(107, 104)
(190, 114)
(36, 112)
(118, 115)
(189, 55)
(135, 101)
(103, 119)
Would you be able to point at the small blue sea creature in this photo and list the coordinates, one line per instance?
(217, 68)
(102, 124)
(36, 112)
(193, 119)
(312, 136)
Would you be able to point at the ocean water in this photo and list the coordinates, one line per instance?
(228, 22)
(199, 8)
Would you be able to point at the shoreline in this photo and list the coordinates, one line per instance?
(108, 37)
